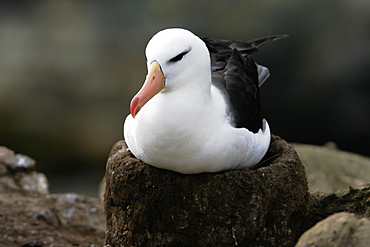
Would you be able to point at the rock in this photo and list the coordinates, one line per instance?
(6, 155)
(264, 206)
(17, 173)
(353, 200)
(30, 216)
(340, 229)
(50, 220)
(16, 161)
(329, 169)
(79, 213)
(34, 182)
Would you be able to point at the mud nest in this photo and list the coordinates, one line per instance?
(147, 206)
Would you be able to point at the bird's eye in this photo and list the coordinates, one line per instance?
(178, 57)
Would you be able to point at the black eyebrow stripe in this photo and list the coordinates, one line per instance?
(180, 56)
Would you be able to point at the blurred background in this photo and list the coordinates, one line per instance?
(68, 70)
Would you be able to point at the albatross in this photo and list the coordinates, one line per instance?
(199, 107)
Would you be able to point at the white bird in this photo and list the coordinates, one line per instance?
(199, 108)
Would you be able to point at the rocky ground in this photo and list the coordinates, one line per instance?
(329, 169)
(31, 216)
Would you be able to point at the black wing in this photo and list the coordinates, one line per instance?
(236, 74)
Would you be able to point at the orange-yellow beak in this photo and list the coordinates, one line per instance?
(153, 84)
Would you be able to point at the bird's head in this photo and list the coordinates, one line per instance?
(174, 58)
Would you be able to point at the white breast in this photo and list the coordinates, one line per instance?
(192, 135)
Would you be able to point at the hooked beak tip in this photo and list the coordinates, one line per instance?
(134, 106)
(153, 84)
